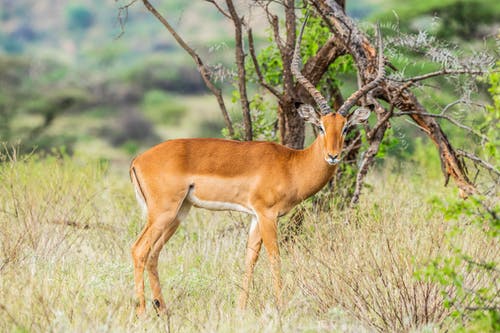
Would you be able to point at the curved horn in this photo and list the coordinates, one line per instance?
(318, 98)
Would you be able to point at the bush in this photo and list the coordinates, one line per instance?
(467, 277)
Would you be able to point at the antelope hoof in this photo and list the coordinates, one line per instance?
(159, 308)
(140, 310)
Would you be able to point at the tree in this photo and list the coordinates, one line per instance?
(330, 36)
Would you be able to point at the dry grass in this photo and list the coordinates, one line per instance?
(367, 268)
(67, 225)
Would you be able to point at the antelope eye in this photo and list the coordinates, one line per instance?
(344, 130)
(322, 130)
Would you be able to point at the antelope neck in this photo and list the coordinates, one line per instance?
(310, 171)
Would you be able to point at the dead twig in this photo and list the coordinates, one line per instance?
(479, 161)
(123, 16)
(219, 8)
(441, 72)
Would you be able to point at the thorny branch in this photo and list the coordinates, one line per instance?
(479, 161)
(441, 72)
(393, 92)
(450, 119)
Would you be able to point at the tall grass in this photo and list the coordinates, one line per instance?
(369, 268)
(67, 225)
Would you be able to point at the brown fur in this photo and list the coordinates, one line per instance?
(266, 178)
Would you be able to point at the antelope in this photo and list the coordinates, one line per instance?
(262, 179)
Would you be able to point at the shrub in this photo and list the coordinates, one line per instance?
(468, 277)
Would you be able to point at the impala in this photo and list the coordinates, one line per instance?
(263, 179)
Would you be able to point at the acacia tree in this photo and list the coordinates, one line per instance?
(330, 37)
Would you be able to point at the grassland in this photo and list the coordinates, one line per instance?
(68, 223)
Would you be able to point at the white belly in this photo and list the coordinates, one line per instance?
(216, 205)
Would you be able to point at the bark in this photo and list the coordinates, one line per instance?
(240, 63)
(293, 125)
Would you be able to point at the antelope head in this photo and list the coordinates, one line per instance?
(332, 126)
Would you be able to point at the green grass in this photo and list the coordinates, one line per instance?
(68, 223)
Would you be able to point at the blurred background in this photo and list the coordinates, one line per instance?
(87, 86)
(87, 77)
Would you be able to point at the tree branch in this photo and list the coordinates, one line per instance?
(369, 156)
(205, 73)
(317, 65)
(287, 55)
(380, 122)
(441, 72)
(479, 161)
(451, 120)
(273, 20)
(219, 8)
(240, 63)
(122, 20)
(256, 65)
(395, 93)
(344, 109)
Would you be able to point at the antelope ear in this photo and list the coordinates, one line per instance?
(308, 113)
(359, 116)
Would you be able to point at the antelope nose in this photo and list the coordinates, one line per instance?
(332, 159)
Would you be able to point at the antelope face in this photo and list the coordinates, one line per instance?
(332, 130)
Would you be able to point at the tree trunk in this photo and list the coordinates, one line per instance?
(293, 126)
